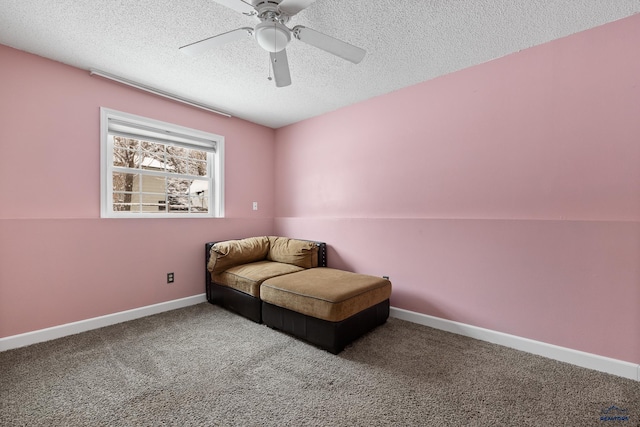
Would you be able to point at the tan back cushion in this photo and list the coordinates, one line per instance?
(235, 252)
(292, 251)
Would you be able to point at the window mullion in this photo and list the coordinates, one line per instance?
(158, 173)
(139, 153)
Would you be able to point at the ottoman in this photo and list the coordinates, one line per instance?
(326, 307)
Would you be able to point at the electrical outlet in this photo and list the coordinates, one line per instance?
(255, 206)
(169, 277)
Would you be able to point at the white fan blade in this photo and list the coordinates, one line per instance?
(327, 43)
(280, 68)
(238, 5)
(291, 7)
(201, 46)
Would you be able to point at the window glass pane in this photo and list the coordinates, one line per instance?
(178, 187)
(125, 202)
(177, 159)
(153, 203)
(178, 204)
(119, 207)
(121, 201)
(178, 194)
(126, 156)
(124, 181)
(197, 163)
(199, 204)
(120, 142)
(153, 184)
(199, 195)
(199, 187)
(153, 147)
(153, 156)
(152, 193)
(150, 162)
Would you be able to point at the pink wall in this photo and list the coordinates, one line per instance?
(505, 196)
(59, 262)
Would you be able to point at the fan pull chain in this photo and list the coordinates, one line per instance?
(275, 41)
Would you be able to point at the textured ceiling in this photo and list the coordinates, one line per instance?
(407, 42)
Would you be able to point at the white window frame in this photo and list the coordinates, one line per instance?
(215, 163)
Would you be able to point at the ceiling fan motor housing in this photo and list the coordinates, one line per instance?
(272, 36)
(271, 33)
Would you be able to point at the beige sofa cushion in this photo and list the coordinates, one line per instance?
(292, 251)
(325, 293)
(235, 252)
(247, 278)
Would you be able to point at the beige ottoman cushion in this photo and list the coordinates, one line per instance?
(325, 293)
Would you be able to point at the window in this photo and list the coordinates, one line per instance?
(153, 169)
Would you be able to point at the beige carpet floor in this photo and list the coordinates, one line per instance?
(204, 366)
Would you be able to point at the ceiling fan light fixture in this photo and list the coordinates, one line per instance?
(272, 36)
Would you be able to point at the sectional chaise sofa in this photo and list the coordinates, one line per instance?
(285, 283)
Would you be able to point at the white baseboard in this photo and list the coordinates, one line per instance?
(60, 331)
(562, 354)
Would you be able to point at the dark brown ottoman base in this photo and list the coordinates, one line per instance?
(330, 336)
(236, 301)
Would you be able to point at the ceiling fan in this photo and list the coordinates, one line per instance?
(273, 35)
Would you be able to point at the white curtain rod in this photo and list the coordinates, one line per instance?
(158, 92)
